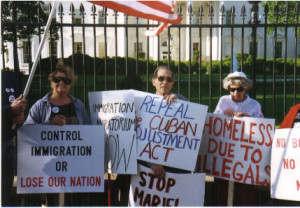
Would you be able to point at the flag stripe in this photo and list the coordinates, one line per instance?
(158, 5)
(139, 9)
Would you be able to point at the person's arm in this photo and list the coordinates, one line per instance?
(83, 113)
(219, 106)
(35, 115)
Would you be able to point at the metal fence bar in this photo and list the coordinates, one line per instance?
(60, 13)
(137, 47)
(169, 42)
(116, 47)
(126, 46)
(295, 52)
(82, 13)
(200, 50)
(105, 48)
(179, 58)
(266, 9)
(39, 35)
(274, 61)
(210, 57)
(243, 11)
(72, 10)
(232, 36)
(190, 11)
(94, 40)
(147, 64)
(285, 57)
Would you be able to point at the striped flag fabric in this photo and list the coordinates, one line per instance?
(162, 11)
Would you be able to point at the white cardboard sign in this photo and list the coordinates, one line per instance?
(237, 149)
(285, 161)
(115, 110)
(174, 190)
(54, 159)
(169, 135)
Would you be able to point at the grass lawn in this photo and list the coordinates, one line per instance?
(199, 93)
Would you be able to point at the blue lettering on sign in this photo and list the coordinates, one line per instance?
(158, 137)
(150, 105)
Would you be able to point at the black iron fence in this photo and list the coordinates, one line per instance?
(198, 74)
(276, 80)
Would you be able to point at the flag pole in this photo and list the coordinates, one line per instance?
(37, 56)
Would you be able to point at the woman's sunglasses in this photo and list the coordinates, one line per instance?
(240, 89)
(65, 80)
(161, 79)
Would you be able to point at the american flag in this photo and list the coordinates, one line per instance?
(162, 11)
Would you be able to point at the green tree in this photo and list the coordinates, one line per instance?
(23, 12)
(281, 12)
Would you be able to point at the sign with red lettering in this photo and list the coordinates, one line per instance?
(115, 110)
(174, 190)
(285, 163)
(60, 159)
(169, 135)
(237, 149)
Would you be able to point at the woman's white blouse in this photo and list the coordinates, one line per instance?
(249, 106)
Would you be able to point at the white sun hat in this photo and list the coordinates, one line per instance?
(235, 75)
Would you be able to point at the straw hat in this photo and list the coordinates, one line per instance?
(235, 75)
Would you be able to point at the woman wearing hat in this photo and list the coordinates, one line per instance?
(237, 103)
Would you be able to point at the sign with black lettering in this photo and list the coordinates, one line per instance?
(115, 110)
(237, 149)
(285, 163)
(60, 159)
(169, 135)
(174, 190)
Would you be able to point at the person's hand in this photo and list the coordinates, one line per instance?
(240, 114)
(59, 120)
(170, 98)
(18, 105)
(158, 171)
(229, 112)
(18, 120)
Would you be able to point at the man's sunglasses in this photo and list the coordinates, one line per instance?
(161, 79)
(240, 89)
(65, 80)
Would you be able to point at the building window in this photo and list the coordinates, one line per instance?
(251, 48)
(164, 44)
(53, 48)
(78, 47)
(195, 46)
(101, 49)
(165, 55)
(140, 47)
(25, 52)
(101, 17)
(77, 17)
(196, 19)
(278, 50)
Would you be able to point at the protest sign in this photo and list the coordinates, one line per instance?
(173, 190)
(116, 112)
(168, 134)
(285, 163)
(237, 149)
(60, 159)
